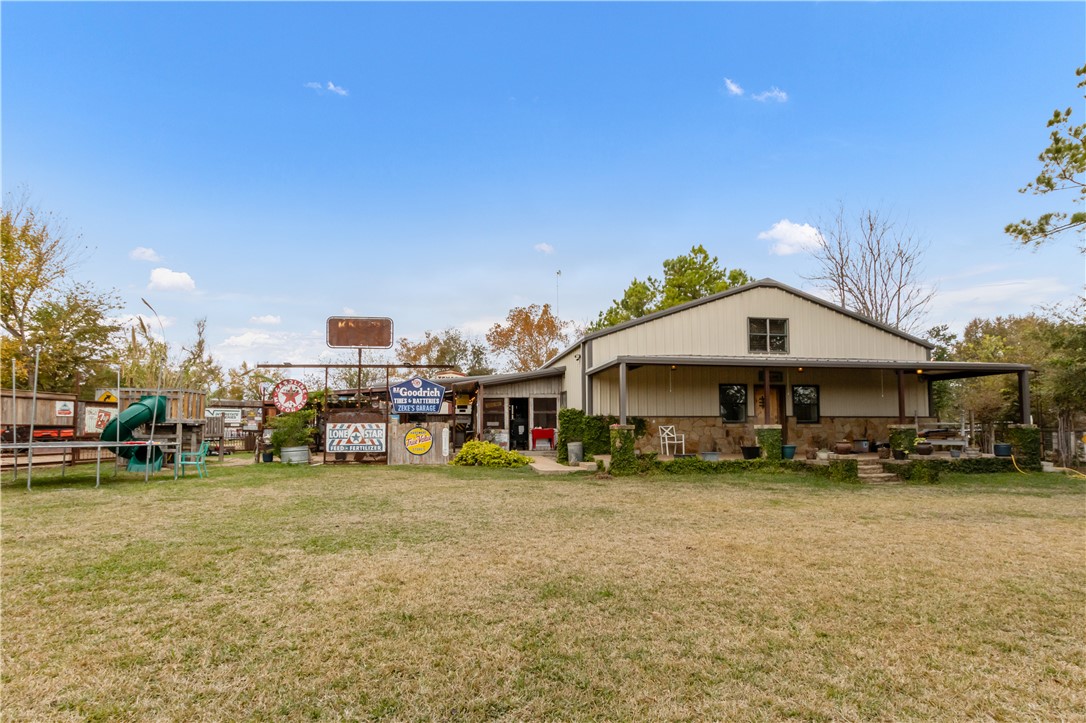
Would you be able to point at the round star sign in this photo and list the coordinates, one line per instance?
(289, 395)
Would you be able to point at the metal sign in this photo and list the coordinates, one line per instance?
(416, 396)
(228, 414)
(355, 437)
(418, 441)
(366, 332)
(289, 395)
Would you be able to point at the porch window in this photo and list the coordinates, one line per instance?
(805, 403)
(545, 412)
(733, 402)
(494, 413)
(767, 336)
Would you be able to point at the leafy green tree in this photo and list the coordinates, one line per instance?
(42, 307)
(1063, 168)
(687, 277)
(450, 346)
(942, 392)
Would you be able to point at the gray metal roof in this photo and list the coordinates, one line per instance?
(760, 284)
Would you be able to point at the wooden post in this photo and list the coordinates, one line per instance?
(1023, 395)
(622, 393)
(765, 394)
(901, 396)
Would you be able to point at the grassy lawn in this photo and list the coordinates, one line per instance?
(271, 593)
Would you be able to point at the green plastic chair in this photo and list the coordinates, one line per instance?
(197, 459)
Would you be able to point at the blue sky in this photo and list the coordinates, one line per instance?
(268, 165)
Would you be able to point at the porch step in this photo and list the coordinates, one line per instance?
(873, 473)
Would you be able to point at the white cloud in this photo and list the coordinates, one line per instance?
(544, 248)
(733, 87)
(250, 339)
(329, 87)
(348, 311)
(270, 319)
(163, 279)
(773, 93)
(142, 253)
(790, 238)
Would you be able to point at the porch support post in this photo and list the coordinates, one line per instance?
(1023, 395)
(622, 393)
(765, 393)
(901, 396)
(479, 413)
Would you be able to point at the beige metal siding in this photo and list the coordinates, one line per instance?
(694, 391)
(719, 328)
(549, 386)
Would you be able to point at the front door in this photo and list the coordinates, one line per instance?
(776, 406)
(518, 423)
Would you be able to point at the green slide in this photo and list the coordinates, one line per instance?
(127, 422)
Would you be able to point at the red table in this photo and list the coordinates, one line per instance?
(546, 433)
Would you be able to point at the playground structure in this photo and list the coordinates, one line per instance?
(174, 417)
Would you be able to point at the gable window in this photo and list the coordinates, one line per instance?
(767, 336)
(733, 402)
(805, 403)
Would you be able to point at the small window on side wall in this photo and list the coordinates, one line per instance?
(767, 336)
(805, 403)
(733, 402)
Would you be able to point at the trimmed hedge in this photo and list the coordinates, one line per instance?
(595, 432)
(487, 454)
(978, 465)
(1026, 445)
(623, 453)
(770, 442)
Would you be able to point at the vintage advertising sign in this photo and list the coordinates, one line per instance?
(95, 419)
(368, 332)
(65, 409)
(418, 441)
(416, 396)
(289, 395)
(228, 414)
(355, 437)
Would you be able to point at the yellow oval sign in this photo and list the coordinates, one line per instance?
(418, 441)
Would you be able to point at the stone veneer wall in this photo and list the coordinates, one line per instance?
(728, 437)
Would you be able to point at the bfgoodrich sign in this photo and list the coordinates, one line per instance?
(416, 396)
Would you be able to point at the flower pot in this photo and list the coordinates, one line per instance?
(900, 454)
(1002, 450)
(788, 451)
(955, 453)
(267, 457)
(294, 455)
(843, 447)
(924, 449)
(711, 456)
(812, 453)
(861, 446)
(823, 454)
(751, 452)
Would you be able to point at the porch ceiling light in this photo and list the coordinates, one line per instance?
(919, 371)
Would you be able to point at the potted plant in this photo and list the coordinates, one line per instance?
(814, 443)
(291, 435)
(922, 446)
(708, 449)
(749, 451)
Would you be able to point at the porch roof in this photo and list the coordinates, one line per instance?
(934, 370)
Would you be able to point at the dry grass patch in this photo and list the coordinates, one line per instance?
(271, 593)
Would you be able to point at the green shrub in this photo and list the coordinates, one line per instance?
(1026, 444)
(770, 442)
(594, 432)
(291, 429)
(487, 454)
(923, 471)
(902, 438)
(623, 454)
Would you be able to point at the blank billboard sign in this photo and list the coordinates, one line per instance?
(367, 332)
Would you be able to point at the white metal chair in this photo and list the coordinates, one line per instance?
(670, 440)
